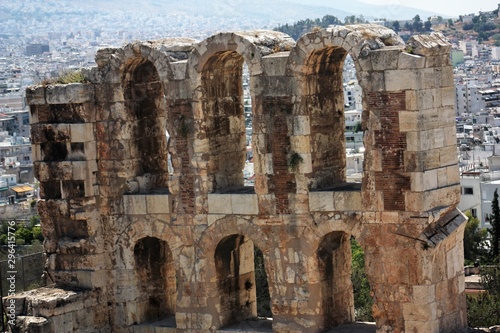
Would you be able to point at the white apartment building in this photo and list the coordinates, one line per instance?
(353, 133)
(478, 188)
(353, 96)
(468, 97)
(470, 183)
(466, 45)
(495, 53)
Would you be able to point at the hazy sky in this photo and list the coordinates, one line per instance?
(446, 7)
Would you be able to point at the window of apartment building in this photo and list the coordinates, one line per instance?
(473, 211)
(467, 191)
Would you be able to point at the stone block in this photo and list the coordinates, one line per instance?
(430, 179)
(301, 125)
(428, 200)
(405, 79)
(410, 61)
(445, 77)
(267, 164)
(429, 45)
(305, 166)
(219, 203)
(448, 97)
(80, 170)
(179, 69)
(275, 64)
(82, 132)
(412, 102)
(347, 201)
(135, 204)
(409, 121)
(419, 311)
(428, 78)
(424, 294)
(385, 58)
(452, 175)
(63, 322)
(35, 95)
(448, 156)
(438, 134)
(429, 99)
(159, 203)
(244, 204)
(73, 93)
(36, 151)
(274, 86)
(374, 81)
(442, 177)
(300, 144)
(321, 201)
(417, 182)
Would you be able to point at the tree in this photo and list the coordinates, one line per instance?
(428, 25)
(417, 24)
(350, 19)
(329, 20)
(450, 22)
(474, 240)
(395, 26)
(484, 310)
(362, 300)
(24, 234)
(495, 226)
(262, 286)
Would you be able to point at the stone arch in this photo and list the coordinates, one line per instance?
(215, 68)
(146, 261)
(317, 63)
(235, 275)
(229, 243)
(155, 278)
(136, 77)
(334, 266)
(330, 266)
(142, 229)
(145, 105)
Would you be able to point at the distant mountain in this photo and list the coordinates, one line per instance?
(390, 12)
(193, 18)
(262, 10)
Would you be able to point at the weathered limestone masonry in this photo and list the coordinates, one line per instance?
(128, 244)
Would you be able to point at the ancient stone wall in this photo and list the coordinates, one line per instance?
(128, 243)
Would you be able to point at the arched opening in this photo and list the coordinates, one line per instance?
(327, 97)
(363, 300)
(334, 263)
(353, 111)
(144, 100)
(156, 282)
(241, 281)
(223, 106)
(170, 166)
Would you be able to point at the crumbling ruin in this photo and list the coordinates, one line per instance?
(134, 249)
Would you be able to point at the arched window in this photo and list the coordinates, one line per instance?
(156, 282)
(146, 125)
(335, 133)
(334, 263)
(241, 295)
(223, 106)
